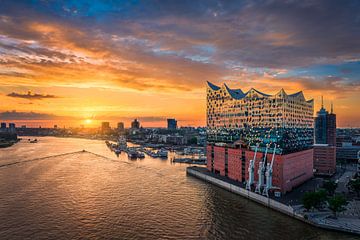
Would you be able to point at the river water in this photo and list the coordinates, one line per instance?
(86, 196)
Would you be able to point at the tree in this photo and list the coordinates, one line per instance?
(309, 200)
(320, 198)
(330, 186)
(354, 185)
(337, 204)
(314, 199)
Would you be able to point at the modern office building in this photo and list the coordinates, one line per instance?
(171, 124)
(347, 153)
(135, 124)
(248, 131)
(325, 126)
(3, 127)
(120, 126)
(325, 141)
(8, 133)
(105, 127)
(12, 128)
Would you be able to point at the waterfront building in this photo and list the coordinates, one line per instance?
(105, 127)
(8, 134)
(120, 126)
(12, 128)
(245, 127)
(135, 124)
(171, 124)
(3, 127)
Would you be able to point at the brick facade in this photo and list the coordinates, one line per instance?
(289, 170)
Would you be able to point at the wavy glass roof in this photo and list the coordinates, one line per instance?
(239, 94)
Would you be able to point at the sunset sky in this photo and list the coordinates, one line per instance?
(65, 62)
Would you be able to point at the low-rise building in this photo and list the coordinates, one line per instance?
(347, 152)
(324, 159)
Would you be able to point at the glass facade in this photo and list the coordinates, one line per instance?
(258, 118)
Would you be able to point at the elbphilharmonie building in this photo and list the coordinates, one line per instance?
(256, 117)
(242, 123)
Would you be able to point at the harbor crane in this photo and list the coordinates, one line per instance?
(251, 170)
(261, 171)
(268, 174)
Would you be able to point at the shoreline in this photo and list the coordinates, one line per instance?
(5, 144)
(202, 174)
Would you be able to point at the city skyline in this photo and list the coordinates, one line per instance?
(72, 63)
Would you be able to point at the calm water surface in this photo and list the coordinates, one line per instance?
(87, 196)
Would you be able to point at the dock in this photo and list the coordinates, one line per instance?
(190, 161)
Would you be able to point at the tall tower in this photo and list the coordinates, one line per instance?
(331, 128)
(325, 141)
(320, 125)
(325, 126)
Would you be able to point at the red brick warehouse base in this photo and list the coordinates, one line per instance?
(289, 170)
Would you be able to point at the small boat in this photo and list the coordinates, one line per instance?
(132, 154)
(162, 153)
(140, 155)
(34, 141)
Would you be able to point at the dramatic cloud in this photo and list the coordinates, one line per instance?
(31, 96)
(174, 47)
(177, 45)
(14, 115)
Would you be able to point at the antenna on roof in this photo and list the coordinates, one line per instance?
(332, 107)
(322, 101)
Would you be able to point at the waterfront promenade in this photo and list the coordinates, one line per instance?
(318, 219)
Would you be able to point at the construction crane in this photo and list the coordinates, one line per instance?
(251, 170)
(261, 171)
(268, 174)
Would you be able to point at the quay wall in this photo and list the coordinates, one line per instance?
(265, 201)
(243, 192)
